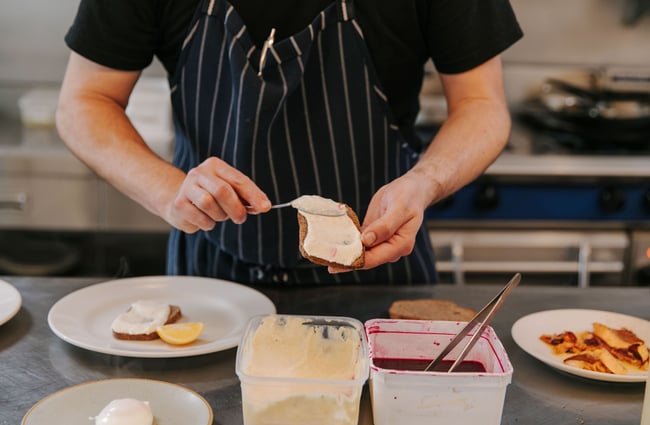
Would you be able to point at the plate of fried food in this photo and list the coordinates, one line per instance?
(595, 344)
(157, 316)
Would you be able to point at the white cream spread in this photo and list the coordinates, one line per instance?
(125, 411)
(305, 358)
(318, 205)
(288, 347)
(334, 239)
(143, 317)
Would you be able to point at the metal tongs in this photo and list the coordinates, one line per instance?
(480, 322)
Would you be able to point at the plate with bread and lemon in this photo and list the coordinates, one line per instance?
(157, 316)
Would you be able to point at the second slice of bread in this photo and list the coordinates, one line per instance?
(430, 309)
(174, 316)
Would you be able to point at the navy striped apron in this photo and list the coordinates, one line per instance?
(312, 120)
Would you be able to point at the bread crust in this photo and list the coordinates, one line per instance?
(430, 309)
(304, 229)
(174, 315)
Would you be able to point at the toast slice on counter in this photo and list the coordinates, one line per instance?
(430, 309)
(174, 315)
(332, 241)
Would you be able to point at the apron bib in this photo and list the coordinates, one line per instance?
(306, 115)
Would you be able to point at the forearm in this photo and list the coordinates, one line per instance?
(98, 132)
(472, 137)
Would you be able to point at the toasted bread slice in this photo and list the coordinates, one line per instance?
(357, 263)
(174, 315)
(430, 309)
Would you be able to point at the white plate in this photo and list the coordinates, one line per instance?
(527, 330)
(83, 318)
(170, 404)
(10, 301)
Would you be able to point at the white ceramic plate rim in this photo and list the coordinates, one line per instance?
(83, 318)
(104, 390)
(10, 301)
(527, 330)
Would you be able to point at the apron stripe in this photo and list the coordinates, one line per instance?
(328, 117)
(358, 28)
(274, 178)
(371, 136)
(310, 139)
(295, 45)
(213, 109)
(346, 98)
(199, 85)
(190, 35)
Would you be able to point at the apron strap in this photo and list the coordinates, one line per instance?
(345, 9)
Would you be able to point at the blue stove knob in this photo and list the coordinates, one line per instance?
(612, 199)
(487, 197)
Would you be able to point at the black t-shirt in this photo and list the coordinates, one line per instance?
(401, 35)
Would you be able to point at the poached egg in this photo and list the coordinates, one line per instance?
(125, 411)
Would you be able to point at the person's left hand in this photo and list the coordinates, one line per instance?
(393, 220)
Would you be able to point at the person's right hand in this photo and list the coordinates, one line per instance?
(211, 192)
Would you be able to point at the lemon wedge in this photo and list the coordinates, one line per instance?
(180, 333)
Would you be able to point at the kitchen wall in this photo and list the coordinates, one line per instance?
(563, 36)
(569, 33)
(32, 51)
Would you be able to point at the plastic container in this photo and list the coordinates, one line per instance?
(415, 397)
(303, 370)
(150, 112)
(38, 108)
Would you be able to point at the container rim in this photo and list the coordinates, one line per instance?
(364, 357)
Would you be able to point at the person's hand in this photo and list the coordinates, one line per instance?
(393, 220)
(211, 192)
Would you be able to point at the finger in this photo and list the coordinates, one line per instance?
(190, 217)
(383, 228)
(245, 189)
(218, 200)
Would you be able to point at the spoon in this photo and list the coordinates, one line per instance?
(314, 204)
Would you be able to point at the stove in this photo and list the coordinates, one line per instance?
(558, 209)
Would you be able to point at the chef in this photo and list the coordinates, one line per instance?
(277, 99)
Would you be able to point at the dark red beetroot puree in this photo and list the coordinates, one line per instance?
(421, 364)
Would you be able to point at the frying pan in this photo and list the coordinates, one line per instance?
(593, 114)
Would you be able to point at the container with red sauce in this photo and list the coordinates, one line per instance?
(402, 393)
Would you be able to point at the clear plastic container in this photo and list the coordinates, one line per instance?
(303, 370)
(414, 397)
(38, 108)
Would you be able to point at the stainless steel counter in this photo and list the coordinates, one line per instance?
(35, 363)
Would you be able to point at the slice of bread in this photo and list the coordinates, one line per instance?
(174, 316)
(430, 309)
(304, 229)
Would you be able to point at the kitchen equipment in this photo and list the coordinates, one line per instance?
(409, 396)
(565, 202)
(478, 324)
(597, 114)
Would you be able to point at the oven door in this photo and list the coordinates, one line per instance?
(556, 257)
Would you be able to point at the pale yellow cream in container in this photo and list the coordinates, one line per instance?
(302, 370)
